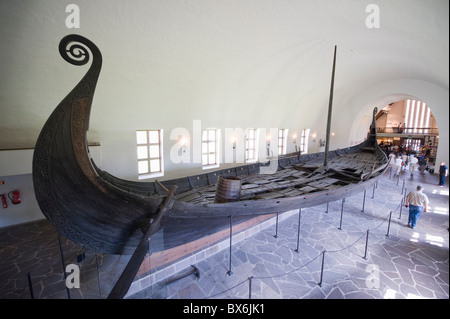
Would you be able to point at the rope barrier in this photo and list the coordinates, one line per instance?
(347, 247)
(222, 292)
(365, 234)
(289, 272)
(322, 253)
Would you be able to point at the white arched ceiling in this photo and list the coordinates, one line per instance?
(228, 63)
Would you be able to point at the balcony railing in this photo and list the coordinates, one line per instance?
(408, 130)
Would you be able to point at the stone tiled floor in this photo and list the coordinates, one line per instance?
(407, 264)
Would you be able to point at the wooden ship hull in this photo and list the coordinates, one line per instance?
(111, 215)
(294, 185)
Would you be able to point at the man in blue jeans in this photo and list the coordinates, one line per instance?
(418, 203)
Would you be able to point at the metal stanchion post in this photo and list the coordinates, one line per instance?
(98, 276)
(364, 201)
(373, 191)
(250, 287)
(30, 285)
(327, 208)
(402, 203)
(229, 272)
(389, 223)
(63, 264)
(401, 206)
(298, 230)
(321, 269)
(367, 241)
(403, 186)
(342, 212)
(276, 228)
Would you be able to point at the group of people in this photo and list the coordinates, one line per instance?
(389, 147)
(401, 159)
(418, 202)
(399, 162)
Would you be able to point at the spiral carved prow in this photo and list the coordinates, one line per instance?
(76, 49)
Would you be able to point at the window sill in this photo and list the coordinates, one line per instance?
(151, 175)
(210, 166)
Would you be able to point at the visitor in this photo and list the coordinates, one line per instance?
(391, 160)
(422, 164)
(410, 156)
(404, 161)
(398, 165)
(412, 164)
(443, 172)
(418, 203)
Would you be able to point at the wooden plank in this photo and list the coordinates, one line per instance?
(292, 192)
(190, 196)
(269, 195)
(307, 189)
(249, 186)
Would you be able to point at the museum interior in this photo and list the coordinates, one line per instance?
(192, 149)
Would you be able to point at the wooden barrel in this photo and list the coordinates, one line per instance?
(228, 189)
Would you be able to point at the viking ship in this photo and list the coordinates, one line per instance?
(102, 212)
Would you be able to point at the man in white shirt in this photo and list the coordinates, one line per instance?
(418, 203)
(412, 164)
(391, 160)
(398, 165)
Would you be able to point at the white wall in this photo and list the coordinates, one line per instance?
(28, 209)
(16, 174)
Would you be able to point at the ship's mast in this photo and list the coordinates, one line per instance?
(330, 104)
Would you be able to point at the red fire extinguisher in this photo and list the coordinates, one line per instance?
(15, 198)
(5, 204)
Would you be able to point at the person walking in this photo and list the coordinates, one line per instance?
(391, 160)
(418, 203)
(443, 172)
(412, 164)
(398, 165)
(422, 164)
(404, 161)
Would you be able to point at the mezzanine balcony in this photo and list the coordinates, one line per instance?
(417, 132)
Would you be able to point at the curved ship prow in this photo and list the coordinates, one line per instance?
(79, 204)
(108, 214)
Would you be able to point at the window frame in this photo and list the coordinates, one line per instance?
(282, 139)
(255, 146)
(216, 142)
(151, 173)
(304, 141)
